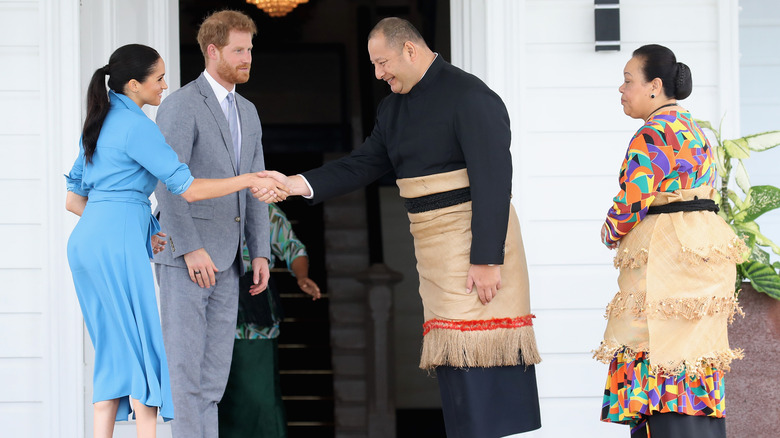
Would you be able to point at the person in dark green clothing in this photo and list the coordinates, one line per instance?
(252, 404)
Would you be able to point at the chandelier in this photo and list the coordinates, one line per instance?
(276, 8)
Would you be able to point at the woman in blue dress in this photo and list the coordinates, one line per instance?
(122, 156)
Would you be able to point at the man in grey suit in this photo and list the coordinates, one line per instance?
(217, 133)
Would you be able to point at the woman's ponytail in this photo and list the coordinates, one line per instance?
(97, 109)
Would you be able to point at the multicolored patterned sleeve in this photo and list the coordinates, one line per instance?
(284, 243)
(648, 161)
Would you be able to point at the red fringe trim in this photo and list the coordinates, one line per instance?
(479, 325)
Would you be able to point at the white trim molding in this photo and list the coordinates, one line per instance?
(468, 33)
(728, 47)
(163, 35)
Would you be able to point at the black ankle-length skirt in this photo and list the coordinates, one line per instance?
(489, 402)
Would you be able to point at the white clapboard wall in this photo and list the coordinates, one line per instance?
(759, 22)
(40, 343)
(571, 140)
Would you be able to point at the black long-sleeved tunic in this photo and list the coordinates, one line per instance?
(449, 120)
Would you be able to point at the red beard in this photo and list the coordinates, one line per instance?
(233, 74)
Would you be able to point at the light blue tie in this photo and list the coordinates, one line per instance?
(232, 117)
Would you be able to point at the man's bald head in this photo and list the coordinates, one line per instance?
(397, 31)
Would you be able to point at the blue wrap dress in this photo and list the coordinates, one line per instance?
(109, 252)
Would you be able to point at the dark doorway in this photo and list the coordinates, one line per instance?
(315, 92)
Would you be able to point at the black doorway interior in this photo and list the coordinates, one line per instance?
(315, 92)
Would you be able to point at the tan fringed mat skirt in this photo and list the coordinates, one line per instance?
(459, 330)
(676, 297)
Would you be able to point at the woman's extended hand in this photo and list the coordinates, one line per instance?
(296, 185)
(158, 242)
(268, 190)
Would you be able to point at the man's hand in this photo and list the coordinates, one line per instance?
(267, 189)
(296, 186)
(201, 268)
(278, 176)
(260, 275)
(487, 279)
(159, 242)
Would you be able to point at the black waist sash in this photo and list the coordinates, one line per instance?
(437, 200)
(695, 205)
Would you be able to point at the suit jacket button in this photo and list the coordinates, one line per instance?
(238, 218)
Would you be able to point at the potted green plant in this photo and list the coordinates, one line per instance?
(751, 382)
(742, 211)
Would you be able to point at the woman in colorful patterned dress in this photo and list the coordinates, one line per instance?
(252, 405)
(666, 340)
(122, 156)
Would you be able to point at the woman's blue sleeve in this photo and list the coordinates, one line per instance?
(73, 180)
(147, 146)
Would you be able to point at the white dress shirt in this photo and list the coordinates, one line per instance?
(221, 94)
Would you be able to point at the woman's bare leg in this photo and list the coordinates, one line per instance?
(145, 419)
(105, 417)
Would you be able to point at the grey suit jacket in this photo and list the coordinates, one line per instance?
(196, 128)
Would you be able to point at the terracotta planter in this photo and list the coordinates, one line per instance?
(753, 385)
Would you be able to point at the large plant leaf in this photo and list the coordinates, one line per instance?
(747, 236)
(763, 278)
(750, 242)
(717, 153)
(742, 178)
(704, 124)
(762, 141)
(764, 199)
(765, 241)
(759, 255)
(734, 198)
(740, 217)
(741, 278)
(716, 197)
(736, 148)
(752, 228)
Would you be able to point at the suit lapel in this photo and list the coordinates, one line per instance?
(247, 149)
(219, 116)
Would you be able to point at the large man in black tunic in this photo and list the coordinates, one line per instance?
(447, 136)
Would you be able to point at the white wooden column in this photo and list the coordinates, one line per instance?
(488, 40)
(164, 36)
(59, 121)
(109, 24)
(468, 33)
(728, 48)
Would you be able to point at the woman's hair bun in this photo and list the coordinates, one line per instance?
(683, 82)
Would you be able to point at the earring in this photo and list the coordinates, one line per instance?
(652, 96)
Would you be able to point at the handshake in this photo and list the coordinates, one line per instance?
(270, 186)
